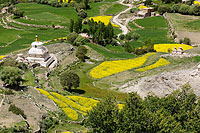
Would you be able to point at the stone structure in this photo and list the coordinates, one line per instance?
(145, 12)
(177, 52)
(38, 54)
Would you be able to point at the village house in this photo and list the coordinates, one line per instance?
(145, 12)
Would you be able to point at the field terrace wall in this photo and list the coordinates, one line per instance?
(172, 32)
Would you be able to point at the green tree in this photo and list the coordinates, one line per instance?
(163, 9)
(196, 9)
(11, 76)
(184, 9)
(103, 117)
(72, 37)
(71, 27)
(187, 41)
(81, 53)
(86, 3)
(149, 43)
(69, 79)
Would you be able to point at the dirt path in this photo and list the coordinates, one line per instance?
(115, 19)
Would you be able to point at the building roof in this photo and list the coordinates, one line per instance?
(37, 48)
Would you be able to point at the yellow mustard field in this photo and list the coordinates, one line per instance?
(84, 101)
(196, 3)
(2, 56)
(103, 19)
(108, 68)
(159, 63)
(70, 102)
(166, 47)
(72, 114)
(71, 105)
(141, 7)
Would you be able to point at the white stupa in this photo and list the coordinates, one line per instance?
(40, 54)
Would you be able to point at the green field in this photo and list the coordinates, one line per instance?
(155, 28)
(184, 22)
(114, 9)
(47, 15)
(26, 37)
(152, 22)
(110, 54)
(95, 9)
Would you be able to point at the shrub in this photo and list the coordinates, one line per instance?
(163, 9)
(17, 110)
(184, 9)
(18, 13)
(175, 8)
(186, 41)
(81, 53)
(132, 10)
(72, 37)
(122, 37)
(196, 10)
(82, 14)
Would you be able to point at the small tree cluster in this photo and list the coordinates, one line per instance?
(180, 8)
(76, 26)
(81, 53)
(148, 47)
(185, 41)
(69, 79)
(11, 76)
(101, 33)
(177, 112)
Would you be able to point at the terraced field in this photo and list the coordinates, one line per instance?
(73, 106)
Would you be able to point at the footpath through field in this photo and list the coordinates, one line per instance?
(115, 19)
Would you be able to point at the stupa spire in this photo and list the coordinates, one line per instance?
(36, 38)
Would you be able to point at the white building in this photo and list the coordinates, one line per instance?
(40, 54)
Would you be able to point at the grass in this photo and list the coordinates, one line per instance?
(48, 15)
(132, 26)
(94, 9)
(184, 22)
(86, 84)
(114, 9)
(27, 37)
(155, 28)
(115, 48)
(8, 35)
(109, 54)
(158, 35)
(196, 58)
(30, 79)
(194, 24)
(152, 22)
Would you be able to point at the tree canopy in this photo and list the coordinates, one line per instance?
(69, 79)
(11, 76)
(177, 112)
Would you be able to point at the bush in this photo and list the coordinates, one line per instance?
(163, 9)
(135, 36)
(132, 10)
(81, 53)
(184, 9)
(82, 14)
(121, 36)
(175, 8)
(17, 110)
(72, 37)
(18, 13)
(186, 41)
(196, 10)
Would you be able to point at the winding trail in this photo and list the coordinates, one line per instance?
(115, 19)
